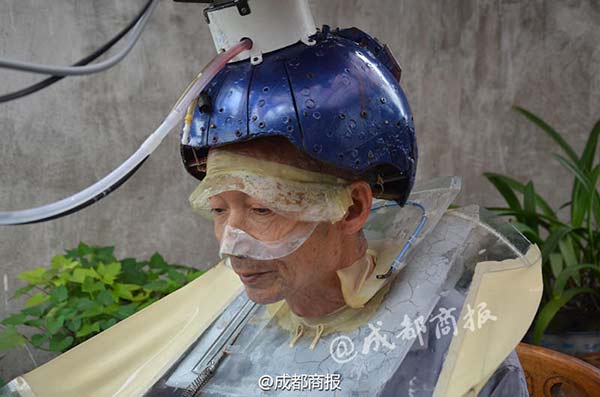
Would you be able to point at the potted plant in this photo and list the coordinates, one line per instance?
(84, 292)
(568, 318)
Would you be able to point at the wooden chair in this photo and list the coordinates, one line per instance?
(553, 374)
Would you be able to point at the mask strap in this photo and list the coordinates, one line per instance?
(410, 241)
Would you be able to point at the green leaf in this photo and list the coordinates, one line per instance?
(575, 170)
(506, 192)
(36, 322)
(127, 310)
(549, 131)
(38, 340)
(177, 276)
(59, 294)
(568, 253)
(15, 319)
(80, 274)
(556, 263)
(10, 338)
(550, 309)
(158, 285)
(89, 285)
(36, 311)
(194, 275)
(551, 242)
(132, 272)
(85, 303)
(81, 251)
(92, 311)
(61, 262)
(563, 277)
(23, 290)
(74, 324)
(39, 275)
(59, 343)
(87, 329)
(589, 153)
(109, 272)
(519, 187)
(36, 299)
(108, 323)
(105, 298)
(104, 254)
(529, 204)
(54, 324)
(125, 290)
(157, 261)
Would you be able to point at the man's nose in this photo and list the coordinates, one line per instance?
(236, 218)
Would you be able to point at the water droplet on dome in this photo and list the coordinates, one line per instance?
(317, 115)
(305, 92)
(382, 100)
(310, 103)
(228, 120)
(317, 148)
(348, 134)
(286, 120)
(329, 133)
(261, 124)
(290, 128)
(266, 89)
(261, 103)
(352, 123)
(354, 153)
(345, 79)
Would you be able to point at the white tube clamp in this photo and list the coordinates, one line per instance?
(270, 24)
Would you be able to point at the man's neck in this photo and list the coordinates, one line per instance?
(327, 297)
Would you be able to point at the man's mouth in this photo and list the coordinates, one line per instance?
(253, 278)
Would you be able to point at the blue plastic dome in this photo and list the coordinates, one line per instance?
(338, 100)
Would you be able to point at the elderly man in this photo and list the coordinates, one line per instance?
(321, 290)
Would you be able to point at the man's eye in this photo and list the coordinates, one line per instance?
(217, 211)
(262, 211)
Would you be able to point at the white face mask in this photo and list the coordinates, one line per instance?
(236, 242)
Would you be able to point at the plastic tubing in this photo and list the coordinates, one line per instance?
(104, 186)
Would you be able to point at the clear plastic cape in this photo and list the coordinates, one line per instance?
(465, 263)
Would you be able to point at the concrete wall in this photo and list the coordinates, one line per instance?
(464, 64)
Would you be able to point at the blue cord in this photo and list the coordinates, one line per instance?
(410, 241)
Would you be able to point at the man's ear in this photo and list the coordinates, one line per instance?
(358, 212)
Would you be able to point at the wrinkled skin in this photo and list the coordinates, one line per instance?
(307, 277)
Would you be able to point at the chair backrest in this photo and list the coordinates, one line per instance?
(553, 374)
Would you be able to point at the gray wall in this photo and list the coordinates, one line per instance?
(464, 64)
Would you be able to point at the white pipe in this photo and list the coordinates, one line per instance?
(106, 184)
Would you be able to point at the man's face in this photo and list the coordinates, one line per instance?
(268, 281)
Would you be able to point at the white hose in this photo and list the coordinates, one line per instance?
(117, 176)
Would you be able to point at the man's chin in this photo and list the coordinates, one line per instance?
(262, 296)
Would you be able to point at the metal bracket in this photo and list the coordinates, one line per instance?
(242, 6)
